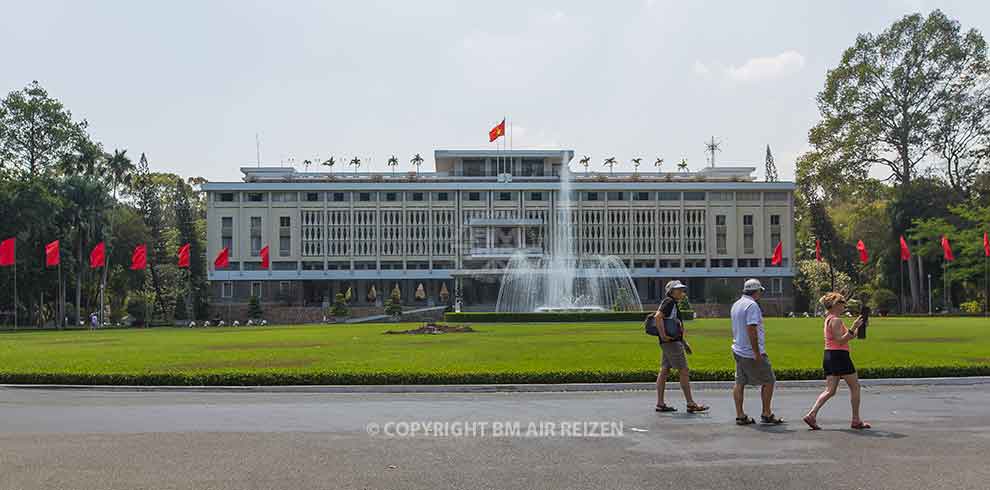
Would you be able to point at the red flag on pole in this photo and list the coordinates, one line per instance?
(947, 249)
(818, 250)
(184, 256)
(905, 251)
(52, 257)
(264, 257)
(7, 252)
(863, 256)
(139, 258)
(778, 254)
(223, 259)
(98, 257)
(497, 131)
(986, 245)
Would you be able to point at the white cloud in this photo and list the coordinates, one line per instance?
(767, 68)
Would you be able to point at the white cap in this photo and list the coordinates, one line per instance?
(672, 285)
(752, 286)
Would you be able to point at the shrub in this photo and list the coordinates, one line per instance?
(181, 312)
(883, 300)
(339, 307)
(254, 308)
(971, 306)
(526, 317)
(684, 310)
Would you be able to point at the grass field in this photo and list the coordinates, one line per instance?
(518, 353)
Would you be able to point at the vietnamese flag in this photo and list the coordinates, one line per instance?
(52, 257)
(818, 250)
(7, 252)
(184, 256)
(223, 259)
(947, 250)
(264, 257)
(863, 256)
(98, 257)
(905, 251)
(497, 131)
(778, 254)
(986, 245)
(139, 258)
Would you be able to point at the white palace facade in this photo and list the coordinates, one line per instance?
(450, 233)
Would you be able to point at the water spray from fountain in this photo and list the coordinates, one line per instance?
(565, 282)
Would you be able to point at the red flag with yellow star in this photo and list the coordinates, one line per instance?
(497, 131)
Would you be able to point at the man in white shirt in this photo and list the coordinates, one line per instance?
(749, 350)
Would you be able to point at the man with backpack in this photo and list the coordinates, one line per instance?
(674, 348)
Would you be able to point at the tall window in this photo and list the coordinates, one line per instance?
(256, 289)
(255, 235)
(748, 233)
(284, 236)
(227, 233)
(721, 235)
(774, 229)
(227, 289)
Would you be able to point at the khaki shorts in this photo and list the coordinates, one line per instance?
(749, 373)
(673, 355)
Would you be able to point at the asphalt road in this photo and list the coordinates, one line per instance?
(923, 438)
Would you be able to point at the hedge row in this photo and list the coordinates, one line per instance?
(433, 378)
(532, 317)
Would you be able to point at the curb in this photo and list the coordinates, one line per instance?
(492, 388)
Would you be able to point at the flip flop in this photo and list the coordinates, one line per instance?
(745, 420)
(771, 419)
(811, 422)
(860, 425)
(665, 408)
(695, 408)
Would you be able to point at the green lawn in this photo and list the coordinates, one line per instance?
(544, 352)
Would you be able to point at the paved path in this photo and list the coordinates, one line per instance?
(925, 438)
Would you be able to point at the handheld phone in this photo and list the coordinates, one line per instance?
(864, 313)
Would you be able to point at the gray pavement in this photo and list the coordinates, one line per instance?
(926, 437)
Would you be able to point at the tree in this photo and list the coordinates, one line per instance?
(771, 170)
(586, 161)
(417, 161)
(86, 200)
(658, 163)
(683, 166)
(340, 308)
(190, 223)
(36, 131)
(329, 163)
(962, 136)
(393, 162)
(636, 162)
(882, 104)
(610, 163)
(356, 163)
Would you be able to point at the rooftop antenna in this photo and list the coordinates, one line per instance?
(257, 148)
(711, 147)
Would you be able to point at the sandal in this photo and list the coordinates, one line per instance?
(695, 408)
(860, 425)
(745, 420)
(808, 419)
(771, 419)
(665, 408)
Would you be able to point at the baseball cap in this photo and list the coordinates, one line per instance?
(672, 285)
(753, 285)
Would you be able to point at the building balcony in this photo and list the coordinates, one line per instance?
(504, 222)
(505, 252)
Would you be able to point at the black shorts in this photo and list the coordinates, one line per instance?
(838, 363)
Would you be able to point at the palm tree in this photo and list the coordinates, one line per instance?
(636, 162)
(86, 199)
(683, 165)
(585, 161)
(417, 161)
(610, 163)
(329, 163)
(121, 171)
(658, 164)
(393, 162)
(356, 162)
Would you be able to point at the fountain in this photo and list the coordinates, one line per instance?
(563, 281)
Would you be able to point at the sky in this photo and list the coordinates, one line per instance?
(194, 84)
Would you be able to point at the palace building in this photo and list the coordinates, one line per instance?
(449, 234)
